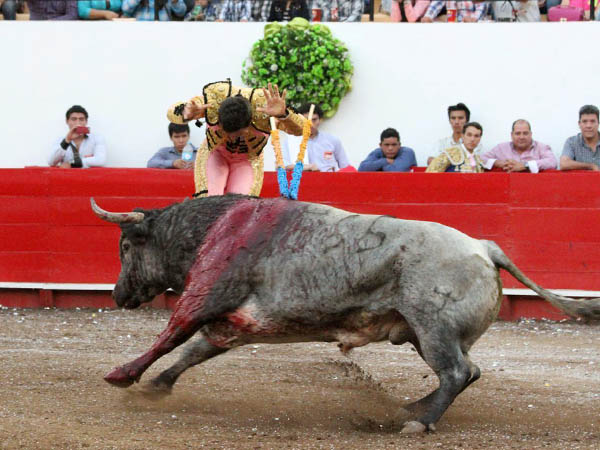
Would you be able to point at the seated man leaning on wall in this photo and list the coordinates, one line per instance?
(181, 155)
(582, 152)
(325, 151)
(79, 148)
(390, 156)
(521, 153)
(462, 157)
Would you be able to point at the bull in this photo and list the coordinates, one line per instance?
(254, 270)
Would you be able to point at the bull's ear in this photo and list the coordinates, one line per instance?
(138, 233)
(134, 231)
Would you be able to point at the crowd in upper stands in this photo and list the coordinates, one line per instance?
(315, 10)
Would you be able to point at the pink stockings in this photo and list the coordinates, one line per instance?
(228, 172)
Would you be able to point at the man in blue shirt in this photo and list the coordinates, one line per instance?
(390, 156)
(181, 156)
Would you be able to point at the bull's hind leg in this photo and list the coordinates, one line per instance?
(474, 371)
(194, 353)
(444, 355)
(421, 405)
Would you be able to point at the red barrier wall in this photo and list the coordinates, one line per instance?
(545, 222)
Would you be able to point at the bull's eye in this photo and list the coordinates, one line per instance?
(126, 246)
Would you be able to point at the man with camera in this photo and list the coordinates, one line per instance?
(79, 148)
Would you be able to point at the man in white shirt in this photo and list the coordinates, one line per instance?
(79, 148)
(325, 151)
(458, 116)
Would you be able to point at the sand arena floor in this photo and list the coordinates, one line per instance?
(540, 388)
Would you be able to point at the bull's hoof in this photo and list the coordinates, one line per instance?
(120, 377)
(413, 427)
(156, 389)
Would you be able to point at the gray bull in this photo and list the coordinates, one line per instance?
(272, 270)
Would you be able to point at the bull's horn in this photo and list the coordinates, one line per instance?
(128, 217)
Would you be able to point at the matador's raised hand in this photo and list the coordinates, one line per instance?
(275, 102)
(194, 110)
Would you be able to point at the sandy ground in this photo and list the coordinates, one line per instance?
(540, 388)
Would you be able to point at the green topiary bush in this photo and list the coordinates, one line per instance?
(305, 59)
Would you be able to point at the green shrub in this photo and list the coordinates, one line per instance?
(305, 59)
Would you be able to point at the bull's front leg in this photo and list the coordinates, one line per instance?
(184, 322)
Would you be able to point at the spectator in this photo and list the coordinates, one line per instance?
(581, 152)
(99, 9)
(172, 157)
(79, 148)
(261, 10)
(235, 11)
(408, 10)
(349, 11)
(52, 9)
(189, 6)
(462, 157)
(325, 151)
(458, 116)
(203, 11)
(339, 10)
(390, 156)
(521, 153)
(10, 8)
(286, 10)
(466, 11)
(145, 10)
(516, 11)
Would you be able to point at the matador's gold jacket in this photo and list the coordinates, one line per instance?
(213, 94)
(459, 158)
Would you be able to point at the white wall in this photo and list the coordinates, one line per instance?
(127, 74)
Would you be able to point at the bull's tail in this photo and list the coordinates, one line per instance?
(585, 308)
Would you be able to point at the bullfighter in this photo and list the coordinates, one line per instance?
(230, 160)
